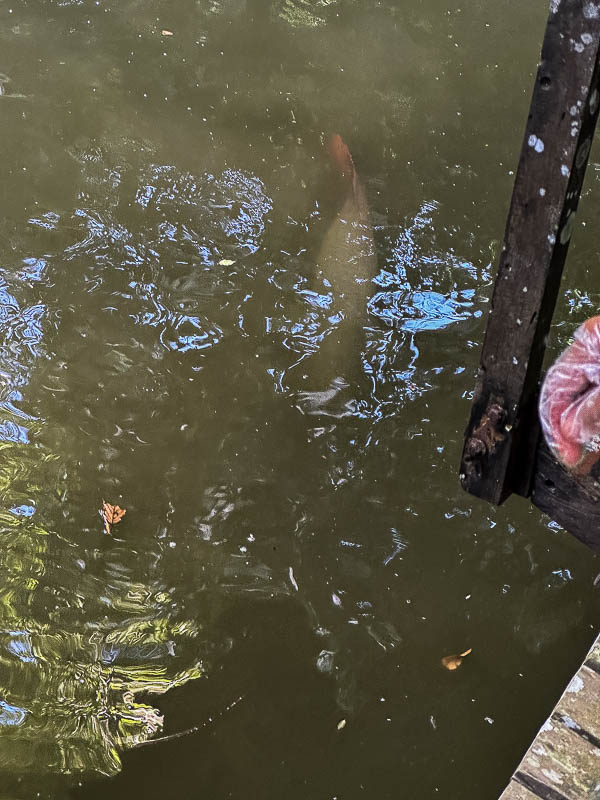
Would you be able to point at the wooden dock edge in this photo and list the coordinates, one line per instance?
(563, 763)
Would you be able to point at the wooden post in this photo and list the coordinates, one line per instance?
(501, 440)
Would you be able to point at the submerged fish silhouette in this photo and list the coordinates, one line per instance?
(347, 253)
(569, 404)
(347, 260)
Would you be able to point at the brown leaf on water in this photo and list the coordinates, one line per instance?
(111, 515)
(454, 662)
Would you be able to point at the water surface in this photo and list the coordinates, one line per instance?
(288, 574)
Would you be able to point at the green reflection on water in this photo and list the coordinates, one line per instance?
(67, 702)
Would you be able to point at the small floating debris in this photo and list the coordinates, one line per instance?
(166, 33)
(111, 515)
(226, 262)
(5, 81)
(454, 662)
(341, 725)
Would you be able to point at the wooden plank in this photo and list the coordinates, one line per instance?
(563, 762)
(593, 659)
(573, 502)
(519, 792)
(501, 437)
(575, 708)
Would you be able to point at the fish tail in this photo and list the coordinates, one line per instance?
(341, 156)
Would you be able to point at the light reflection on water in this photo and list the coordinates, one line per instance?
(162, 321)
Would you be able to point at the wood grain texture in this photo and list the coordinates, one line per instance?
(563, 763)
(573, 502)
(501, 437)
(521, 793)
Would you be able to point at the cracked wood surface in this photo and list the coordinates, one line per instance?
(563, 762)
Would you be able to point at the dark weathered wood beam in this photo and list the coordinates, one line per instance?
(501, 438)
(573, 502)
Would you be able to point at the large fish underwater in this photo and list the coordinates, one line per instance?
(347, 260)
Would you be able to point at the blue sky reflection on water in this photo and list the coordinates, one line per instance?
(11, 715)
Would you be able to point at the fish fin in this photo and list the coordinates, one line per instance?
(341, 156)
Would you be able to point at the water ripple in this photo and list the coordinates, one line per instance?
(234, 202)
(420, 290)
(422, 311)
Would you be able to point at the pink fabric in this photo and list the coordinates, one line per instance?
(570, 401)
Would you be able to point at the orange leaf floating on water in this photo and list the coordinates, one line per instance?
(454, 662)
(111, 515)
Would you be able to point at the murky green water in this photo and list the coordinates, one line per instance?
(284, 565)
